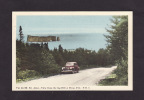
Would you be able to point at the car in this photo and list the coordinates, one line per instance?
(70, 67)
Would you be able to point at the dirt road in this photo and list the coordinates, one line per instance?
(88, 77)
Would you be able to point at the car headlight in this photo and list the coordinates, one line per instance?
(71, 67)
(63, 68)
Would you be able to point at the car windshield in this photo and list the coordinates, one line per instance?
(69, 63)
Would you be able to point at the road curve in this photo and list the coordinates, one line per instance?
(88, 77)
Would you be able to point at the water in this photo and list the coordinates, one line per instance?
(91, 41)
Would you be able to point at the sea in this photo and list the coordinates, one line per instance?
(90, 41)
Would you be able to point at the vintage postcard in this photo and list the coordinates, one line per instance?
(72, 51)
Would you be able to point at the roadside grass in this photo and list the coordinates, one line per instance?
(35, 77)
(27, 79)
(114, 80)
(121, 77)
(28, 75)
(109, 80)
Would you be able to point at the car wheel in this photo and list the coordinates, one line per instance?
(77, 71)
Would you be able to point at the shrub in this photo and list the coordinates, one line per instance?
(121, 75)
(27, 74)
(122, 72)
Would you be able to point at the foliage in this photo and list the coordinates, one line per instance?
(18, 62)
(33, 58)
(39, 59)
(26, 74)
(21, 33)
(118, 38)
(121, 75)
(118, 49)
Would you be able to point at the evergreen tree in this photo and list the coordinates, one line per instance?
(60, 49)
(46, 46)
(118, 47)
(118, 38)
(42, 45)
(21, 33)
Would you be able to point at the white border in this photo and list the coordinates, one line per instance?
(92, 88)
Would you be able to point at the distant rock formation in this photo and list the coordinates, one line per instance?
(58, 39)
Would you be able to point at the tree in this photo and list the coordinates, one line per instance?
(42, 44)
(118, 47)
(58, 58)
(46, 62)
(21, 33)
(118, 38)
(46, 46)
(60, 49)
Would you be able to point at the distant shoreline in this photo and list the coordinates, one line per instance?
(88, 41)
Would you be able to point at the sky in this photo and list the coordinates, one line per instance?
(62, 24)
